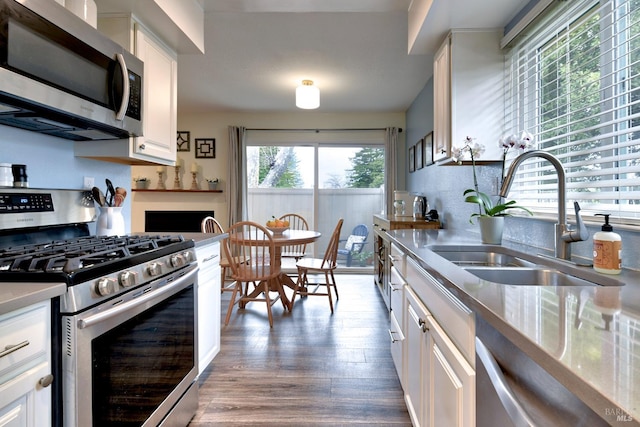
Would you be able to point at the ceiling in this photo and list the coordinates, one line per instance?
(258, 51)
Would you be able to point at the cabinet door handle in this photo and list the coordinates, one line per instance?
(46, 380)
(12, 348)
(392, 336)
(419, 321)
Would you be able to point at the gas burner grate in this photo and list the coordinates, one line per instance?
(70, 256)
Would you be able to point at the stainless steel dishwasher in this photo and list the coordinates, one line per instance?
(513, 390)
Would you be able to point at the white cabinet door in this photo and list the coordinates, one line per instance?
(208, 303)
(25, 392)
(397, 324)
(442, 102)
(468, 83)
(452, 383)
(160, 92)
(417, 369)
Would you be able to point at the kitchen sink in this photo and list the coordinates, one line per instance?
(538, 276)
(484, 258)
(507, 266)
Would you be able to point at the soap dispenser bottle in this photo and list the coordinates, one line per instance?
(607, 249)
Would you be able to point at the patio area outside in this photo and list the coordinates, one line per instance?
(354, 205)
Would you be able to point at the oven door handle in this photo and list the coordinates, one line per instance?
(143, 299)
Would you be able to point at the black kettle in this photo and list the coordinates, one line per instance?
(420, 207)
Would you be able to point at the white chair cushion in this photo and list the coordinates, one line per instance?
(351, 240)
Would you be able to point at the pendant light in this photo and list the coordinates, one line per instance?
(307, 95)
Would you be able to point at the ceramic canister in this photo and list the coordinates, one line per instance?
(6, 176)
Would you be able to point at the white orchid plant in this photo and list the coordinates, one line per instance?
(486, 206)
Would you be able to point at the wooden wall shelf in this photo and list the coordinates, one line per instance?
(174, 191)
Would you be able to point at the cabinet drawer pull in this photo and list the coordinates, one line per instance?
(11, 348)
(46, 380)
(210, 258)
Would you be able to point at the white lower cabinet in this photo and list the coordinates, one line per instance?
(25, 366)
(416, 388)
(452, 386)
(208, 303)
(397, 323)
(439, 381)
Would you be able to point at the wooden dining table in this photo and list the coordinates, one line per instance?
(287, 238)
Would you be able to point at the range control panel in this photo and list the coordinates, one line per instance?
(25, 202)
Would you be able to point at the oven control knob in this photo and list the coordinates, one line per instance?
(128, 278)
(106, 286)
(154, 269)
(178, 260)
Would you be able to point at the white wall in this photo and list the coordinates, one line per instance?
(215, 125)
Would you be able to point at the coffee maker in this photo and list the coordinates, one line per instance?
(420, 207)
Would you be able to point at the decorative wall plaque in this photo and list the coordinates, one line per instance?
(427, 149)
(183, 141)
(412, 158)
(205, 148)
(419, 158)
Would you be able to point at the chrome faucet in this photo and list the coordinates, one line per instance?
(564, 236)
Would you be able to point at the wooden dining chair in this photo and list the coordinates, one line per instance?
(296, 222)
(253, 243)
(317, 266)
(212, 225)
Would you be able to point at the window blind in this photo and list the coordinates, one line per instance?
(574, 83)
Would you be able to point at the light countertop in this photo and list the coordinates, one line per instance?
(204, 238)
(15, 295)
(587, 337)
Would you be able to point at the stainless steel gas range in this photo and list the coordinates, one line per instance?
(124, 333)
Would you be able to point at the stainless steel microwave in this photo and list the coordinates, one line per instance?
(61, 77)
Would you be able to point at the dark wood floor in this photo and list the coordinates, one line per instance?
(312, 368)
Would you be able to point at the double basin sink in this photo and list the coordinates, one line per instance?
(507, 266)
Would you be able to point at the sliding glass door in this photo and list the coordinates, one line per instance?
(322, 182)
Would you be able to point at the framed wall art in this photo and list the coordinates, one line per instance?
(412, 158)
(427, 149)
(183, 141)
(419, 158)
(205, 148)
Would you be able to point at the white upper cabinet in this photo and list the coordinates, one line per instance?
(442, 102)
(468, 88)
(160, 98)
(159, 109)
